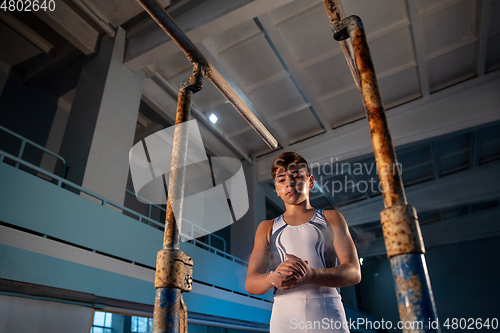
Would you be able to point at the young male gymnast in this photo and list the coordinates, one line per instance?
(310, 252)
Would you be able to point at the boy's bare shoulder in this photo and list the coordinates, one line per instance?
(266, 224)
(265, 227)
(334, 217)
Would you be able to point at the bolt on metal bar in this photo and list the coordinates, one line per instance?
(165, 21)
(402, 235)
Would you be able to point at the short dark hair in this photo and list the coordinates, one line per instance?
(285, 160)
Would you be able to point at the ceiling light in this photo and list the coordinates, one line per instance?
(213, 118)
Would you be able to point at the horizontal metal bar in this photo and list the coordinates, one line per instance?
(165, 21)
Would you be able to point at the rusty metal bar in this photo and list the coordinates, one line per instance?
(156, 11)
(173, 267)
(402, 235)
(385, 155)
(335, 15)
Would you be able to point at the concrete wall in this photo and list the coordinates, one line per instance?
(31, 315)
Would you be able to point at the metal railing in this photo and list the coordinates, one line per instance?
(193, 225)
(25, 141)
(105, 202)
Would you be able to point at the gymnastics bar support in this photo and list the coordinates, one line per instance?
(402, 235)
(158, 13)
(174, 269)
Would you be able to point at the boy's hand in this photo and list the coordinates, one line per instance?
(294, 273)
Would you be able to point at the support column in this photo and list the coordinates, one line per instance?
(101, 124)
(243, 230)
(56, 134)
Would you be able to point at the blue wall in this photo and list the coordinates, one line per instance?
(35, 204)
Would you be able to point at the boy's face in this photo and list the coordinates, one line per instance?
(293, 185)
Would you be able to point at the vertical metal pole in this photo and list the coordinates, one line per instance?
(170, 313)
(21, 151)
(402, 235)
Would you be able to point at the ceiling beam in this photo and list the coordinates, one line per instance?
(290, 65)
(483, 27)
(43, 65)
(380, 76)
(446, 111)
(25, 31)
(102, 21)
(371, 36)
(71, 26)
(439, 6)
(207, 19)
(417, 29)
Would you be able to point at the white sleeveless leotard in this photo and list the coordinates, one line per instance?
(308, 308)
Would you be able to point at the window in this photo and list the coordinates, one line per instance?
(102, 322)
(141, 325)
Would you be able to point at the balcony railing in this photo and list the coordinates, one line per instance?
(66, 184)
(192, 226)
(25, 142)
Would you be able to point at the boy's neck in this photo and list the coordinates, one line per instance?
(300, 209)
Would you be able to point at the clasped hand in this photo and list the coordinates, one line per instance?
(291, 273)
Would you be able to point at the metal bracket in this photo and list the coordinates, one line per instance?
(401, 230)
(174, 269)
(341, 29)
(195, 82)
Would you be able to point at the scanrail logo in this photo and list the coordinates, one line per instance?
(215, 193)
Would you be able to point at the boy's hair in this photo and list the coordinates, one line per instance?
(287, 159)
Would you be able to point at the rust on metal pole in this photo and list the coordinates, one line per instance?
(385, 155)
(335, 15)
(172, 236)
(174, 268)
(163, 19)
(402, 235)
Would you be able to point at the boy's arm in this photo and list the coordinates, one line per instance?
(257, 280)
